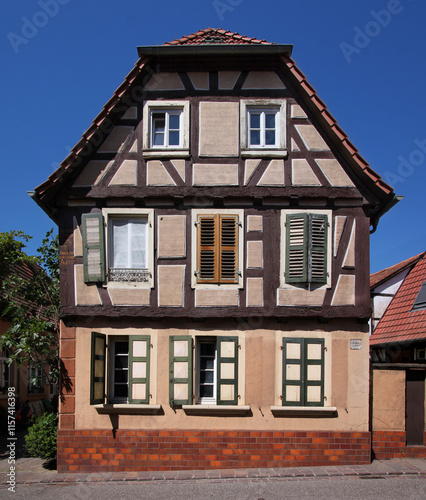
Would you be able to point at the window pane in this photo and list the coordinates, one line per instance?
(255, 137)
(119, 246)
(159, 122)
(269, 120)
(206, 364)
(174, 138)
(174, 122)
(207, 349)
(121, 362)
(120, 376)
(206, 377)
(138, 242)
(121, 348)
(206, 391)
(121, 391)
(254, 120)
(270, 137)
(158, 139)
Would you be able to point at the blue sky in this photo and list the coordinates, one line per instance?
(61, 60)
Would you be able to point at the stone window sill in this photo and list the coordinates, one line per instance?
(128, 409)
(304, 411)
(164, 153)
(264, 153)
(217, 410)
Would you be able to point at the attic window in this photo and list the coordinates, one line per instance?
(420, 302)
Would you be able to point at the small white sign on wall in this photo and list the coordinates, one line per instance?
(356, 344)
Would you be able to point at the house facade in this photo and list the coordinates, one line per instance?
(214, 224)
(398, 347)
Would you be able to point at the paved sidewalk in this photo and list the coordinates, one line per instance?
(31, 471)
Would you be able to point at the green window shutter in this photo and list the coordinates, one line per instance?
(139, 357)
(293, 372)
(296, 269)
(314, 372)
(303, 372)
(180, 370)
(228, 249)
(97, 369)
(227, 370)
(93, 247)
(317, 249)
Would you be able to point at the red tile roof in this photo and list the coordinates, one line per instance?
(400, 323)
(383, 275)
(213, 36)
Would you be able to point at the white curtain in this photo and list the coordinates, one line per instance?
(128, 249)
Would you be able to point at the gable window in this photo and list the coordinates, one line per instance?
(303, 372)
(215, 375)
(126, 368)
(305, 244)
(118, 246)
(166, 129)
(217, 247)
(263, 127)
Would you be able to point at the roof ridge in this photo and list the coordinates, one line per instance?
(201, 38)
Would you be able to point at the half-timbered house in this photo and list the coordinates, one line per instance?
(214, 225)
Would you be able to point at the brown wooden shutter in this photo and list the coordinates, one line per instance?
(217, 249)
(228, 249)
(208, 255)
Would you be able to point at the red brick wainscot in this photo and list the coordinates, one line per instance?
(391, 444)
(136, 450)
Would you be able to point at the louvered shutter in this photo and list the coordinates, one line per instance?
(93, 247)
(228, 249)
(227, 371)
(317, 248)
(180, 370)
(208, 255)
(139, 356)
(97, 369)
(296, 269)
(217, 249)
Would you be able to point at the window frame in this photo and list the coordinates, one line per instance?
(110, 369)
(195, 215)
(205, 400)
(109, 215)
(165, 150)
(284, 251)
(279, 149)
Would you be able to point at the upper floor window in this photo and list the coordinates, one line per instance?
(305, 247)
(263, 127)
(166, 128)
(218, 246)
(118, 246)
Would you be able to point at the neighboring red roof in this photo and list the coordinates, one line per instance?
(213, 36)
(383, 275)
(400, 323)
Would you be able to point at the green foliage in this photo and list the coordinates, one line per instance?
(40, 440)
(31, 302)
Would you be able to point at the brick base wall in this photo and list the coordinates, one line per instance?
(131, 450)
(391, 444)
